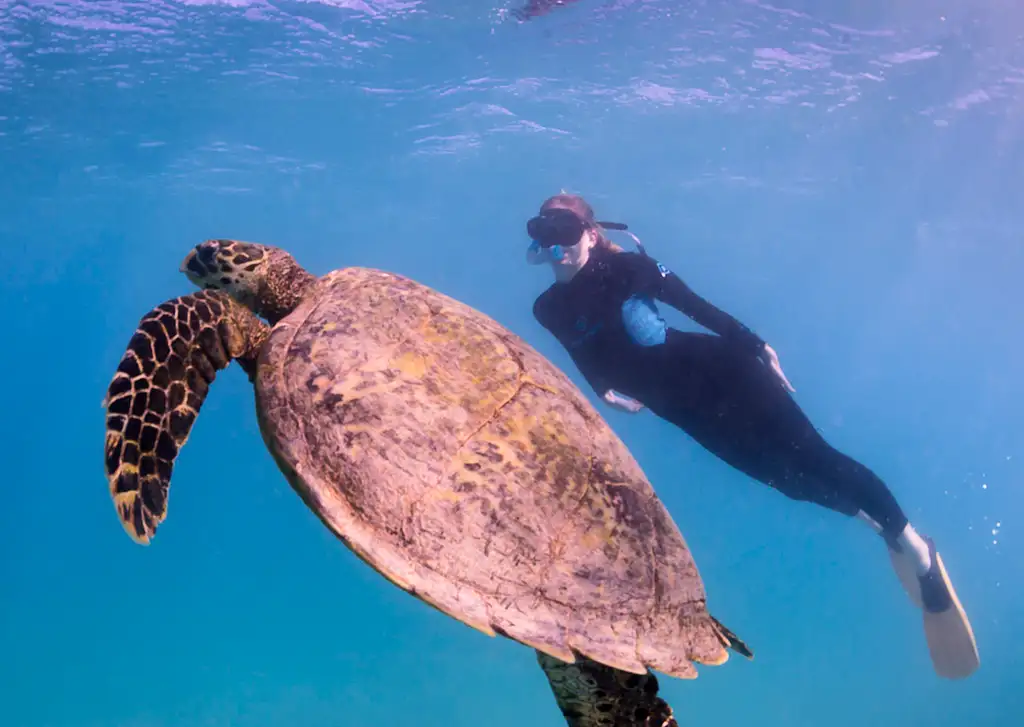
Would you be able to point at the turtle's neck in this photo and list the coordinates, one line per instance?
(285, 285)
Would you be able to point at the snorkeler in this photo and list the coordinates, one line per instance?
(727, 391)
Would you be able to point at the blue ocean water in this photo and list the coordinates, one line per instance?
(844, 178)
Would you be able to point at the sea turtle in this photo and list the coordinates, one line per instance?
(444, 451)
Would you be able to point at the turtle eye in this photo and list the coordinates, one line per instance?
(206, 253)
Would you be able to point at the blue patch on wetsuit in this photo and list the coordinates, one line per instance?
(642, 322)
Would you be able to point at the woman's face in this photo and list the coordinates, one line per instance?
(560, 239)
(569, 257)
(577, 255)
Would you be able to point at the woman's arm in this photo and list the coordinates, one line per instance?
(543, 313)
(585, 362)
(670, 288)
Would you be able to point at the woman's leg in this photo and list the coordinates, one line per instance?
(736, 408)
(830, 469)
(874, 503)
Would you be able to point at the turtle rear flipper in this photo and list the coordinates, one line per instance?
(730, 640)
(157, 391)
(590, 694)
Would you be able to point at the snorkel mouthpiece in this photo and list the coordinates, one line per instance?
(537, 255)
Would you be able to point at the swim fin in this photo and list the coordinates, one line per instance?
(950, 638)
(906, 571)
(951, 643)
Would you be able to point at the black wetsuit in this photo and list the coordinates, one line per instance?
(714, 387)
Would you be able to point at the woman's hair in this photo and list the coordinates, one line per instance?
(582, 209)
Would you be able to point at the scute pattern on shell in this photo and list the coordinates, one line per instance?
(470, 471)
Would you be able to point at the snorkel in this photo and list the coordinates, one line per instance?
(622, 227)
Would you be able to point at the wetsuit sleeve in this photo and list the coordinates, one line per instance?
(589, 371)
(586, 364)
(671, 289)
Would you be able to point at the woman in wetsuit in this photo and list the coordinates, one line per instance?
(727, 391)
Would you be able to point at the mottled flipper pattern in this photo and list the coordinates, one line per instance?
(157, 391)
(594, 695)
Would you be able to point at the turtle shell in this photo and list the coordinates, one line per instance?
(469, 470)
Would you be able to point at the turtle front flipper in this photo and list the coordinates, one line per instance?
(157, 391)
(594, 695)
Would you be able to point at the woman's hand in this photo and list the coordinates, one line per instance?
(622, 403)
(773, 362)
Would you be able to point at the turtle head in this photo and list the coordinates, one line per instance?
(265, 279)
(237, 268)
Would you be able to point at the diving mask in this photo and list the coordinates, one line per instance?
(556, 228)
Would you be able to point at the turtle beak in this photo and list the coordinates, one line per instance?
(183, 268)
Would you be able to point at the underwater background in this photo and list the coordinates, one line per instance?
(845, 178)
